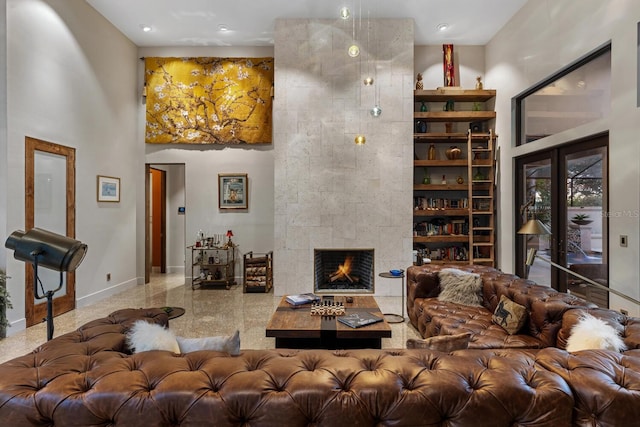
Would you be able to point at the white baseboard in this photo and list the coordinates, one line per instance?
(106, 292)
(171, 269)
(17, 326)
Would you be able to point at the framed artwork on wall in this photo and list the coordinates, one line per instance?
(232, 191)
(108, 189)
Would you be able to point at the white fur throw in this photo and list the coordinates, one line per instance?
(460, 287)
(593, 333)
(145, 336)
(229, 344)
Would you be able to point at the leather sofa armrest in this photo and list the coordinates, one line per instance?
(627, 327)
(422, 282)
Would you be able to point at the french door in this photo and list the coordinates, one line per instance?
(567, 189)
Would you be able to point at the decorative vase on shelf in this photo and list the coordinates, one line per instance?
(423, 107)
(453, 153)
(460, 179)
(432, 152)
(421, 127)
(479, 85)
(449, 105)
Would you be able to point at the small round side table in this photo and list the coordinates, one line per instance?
(390, 317)
(173, 312)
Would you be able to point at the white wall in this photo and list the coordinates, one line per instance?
(176, 239)
(73, 82)
(542, 38)
(3, 126)
(253, 229)
(468, 61)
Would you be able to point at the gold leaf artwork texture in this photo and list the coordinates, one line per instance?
(208, 100)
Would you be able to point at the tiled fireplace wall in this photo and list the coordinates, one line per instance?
(330, 193)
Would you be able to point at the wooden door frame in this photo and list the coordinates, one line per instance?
(147, 234)
(34, 313)
(163, 222)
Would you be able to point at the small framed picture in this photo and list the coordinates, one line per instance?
(108, 189)
(232, 191)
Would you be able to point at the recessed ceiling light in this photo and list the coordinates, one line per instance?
(345, 13)
(146, 28)
(443, 27)
(223, 27)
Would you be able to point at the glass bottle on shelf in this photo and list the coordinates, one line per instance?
(432, 152)
(423, 107)
(427, 177)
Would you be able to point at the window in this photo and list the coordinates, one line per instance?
(579, 93)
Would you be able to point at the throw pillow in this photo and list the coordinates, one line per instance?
(445, 343)
(510, 315)
(593, 333)
(145, 336)
(229, 344)
(460, 287)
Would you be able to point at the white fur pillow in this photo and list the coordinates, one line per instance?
(229, 344)
(145, 336)
(593, 333)
(460, 287)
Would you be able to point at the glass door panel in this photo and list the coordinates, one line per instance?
(585, 250)
(566, 189)
(536, 188)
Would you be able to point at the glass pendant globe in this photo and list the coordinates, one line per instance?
(376, 111)
(354, 50)
(368, 81)
(345, 13)
(360, 140)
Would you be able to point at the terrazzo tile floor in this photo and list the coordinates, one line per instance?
(209, 311)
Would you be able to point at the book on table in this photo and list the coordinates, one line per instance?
(358, 320)
(299, 299)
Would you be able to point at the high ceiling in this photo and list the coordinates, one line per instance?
(252, 22)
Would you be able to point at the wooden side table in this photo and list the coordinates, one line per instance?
(390, 317)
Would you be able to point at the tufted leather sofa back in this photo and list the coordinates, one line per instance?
(59, 385)
(88, 377)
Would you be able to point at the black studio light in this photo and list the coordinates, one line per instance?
(44, 248)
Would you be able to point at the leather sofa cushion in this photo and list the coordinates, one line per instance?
(445, 318)
(606, 384)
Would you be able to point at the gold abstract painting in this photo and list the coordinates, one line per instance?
(208, 100)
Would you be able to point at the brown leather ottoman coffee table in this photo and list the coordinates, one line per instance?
(294, 327)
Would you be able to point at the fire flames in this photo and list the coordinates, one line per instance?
(344, 271)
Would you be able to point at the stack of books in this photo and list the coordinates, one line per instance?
(300, 299)
(358, 320)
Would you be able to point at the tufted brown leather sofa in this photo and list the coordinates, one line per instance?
(546, 308)
(90, 378)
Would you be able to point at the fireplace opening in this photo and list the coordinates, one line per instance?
(343, 270)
